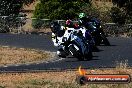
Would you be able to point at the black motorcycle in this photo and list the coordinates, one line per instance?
(97, 33)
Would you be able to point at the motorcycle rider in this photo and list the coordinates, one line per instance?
(85, 21)
(88, 23)
(91, 23)
(69, 23)
(57, 32)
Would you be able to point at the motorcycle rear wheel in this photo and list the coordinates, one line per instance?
(105, 40)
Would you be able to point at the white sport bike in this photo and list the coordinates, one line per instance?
(71, 41)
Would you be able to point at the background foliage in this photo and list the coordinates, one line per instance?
(12, 7)
(122, 11)
(9, 11)
(59, 9)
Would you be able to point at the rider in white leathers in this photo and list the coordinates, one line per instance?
(57, 40)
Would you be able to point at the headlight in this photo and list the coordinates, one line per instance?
(53, 37)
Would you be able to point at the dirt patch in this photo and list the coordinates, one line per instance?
(13, 55)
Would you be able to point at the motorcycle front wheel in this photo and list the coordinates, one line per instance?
(75, 52)
(62, 53)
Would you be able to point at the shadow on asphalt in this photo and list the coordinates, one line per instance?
(108, 46)
(95, 56)
(81, 60)
(113, 45)
(73, 59)
(93, 59)
(99, 50)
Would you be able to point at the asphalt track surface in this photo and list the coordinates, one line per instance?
(119, 51)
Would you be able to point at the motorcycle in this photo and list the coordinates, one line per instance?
(97, 33)
(72, 42)
(89, 39)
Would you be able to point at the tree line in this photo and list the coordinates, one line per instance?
(63, 9)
